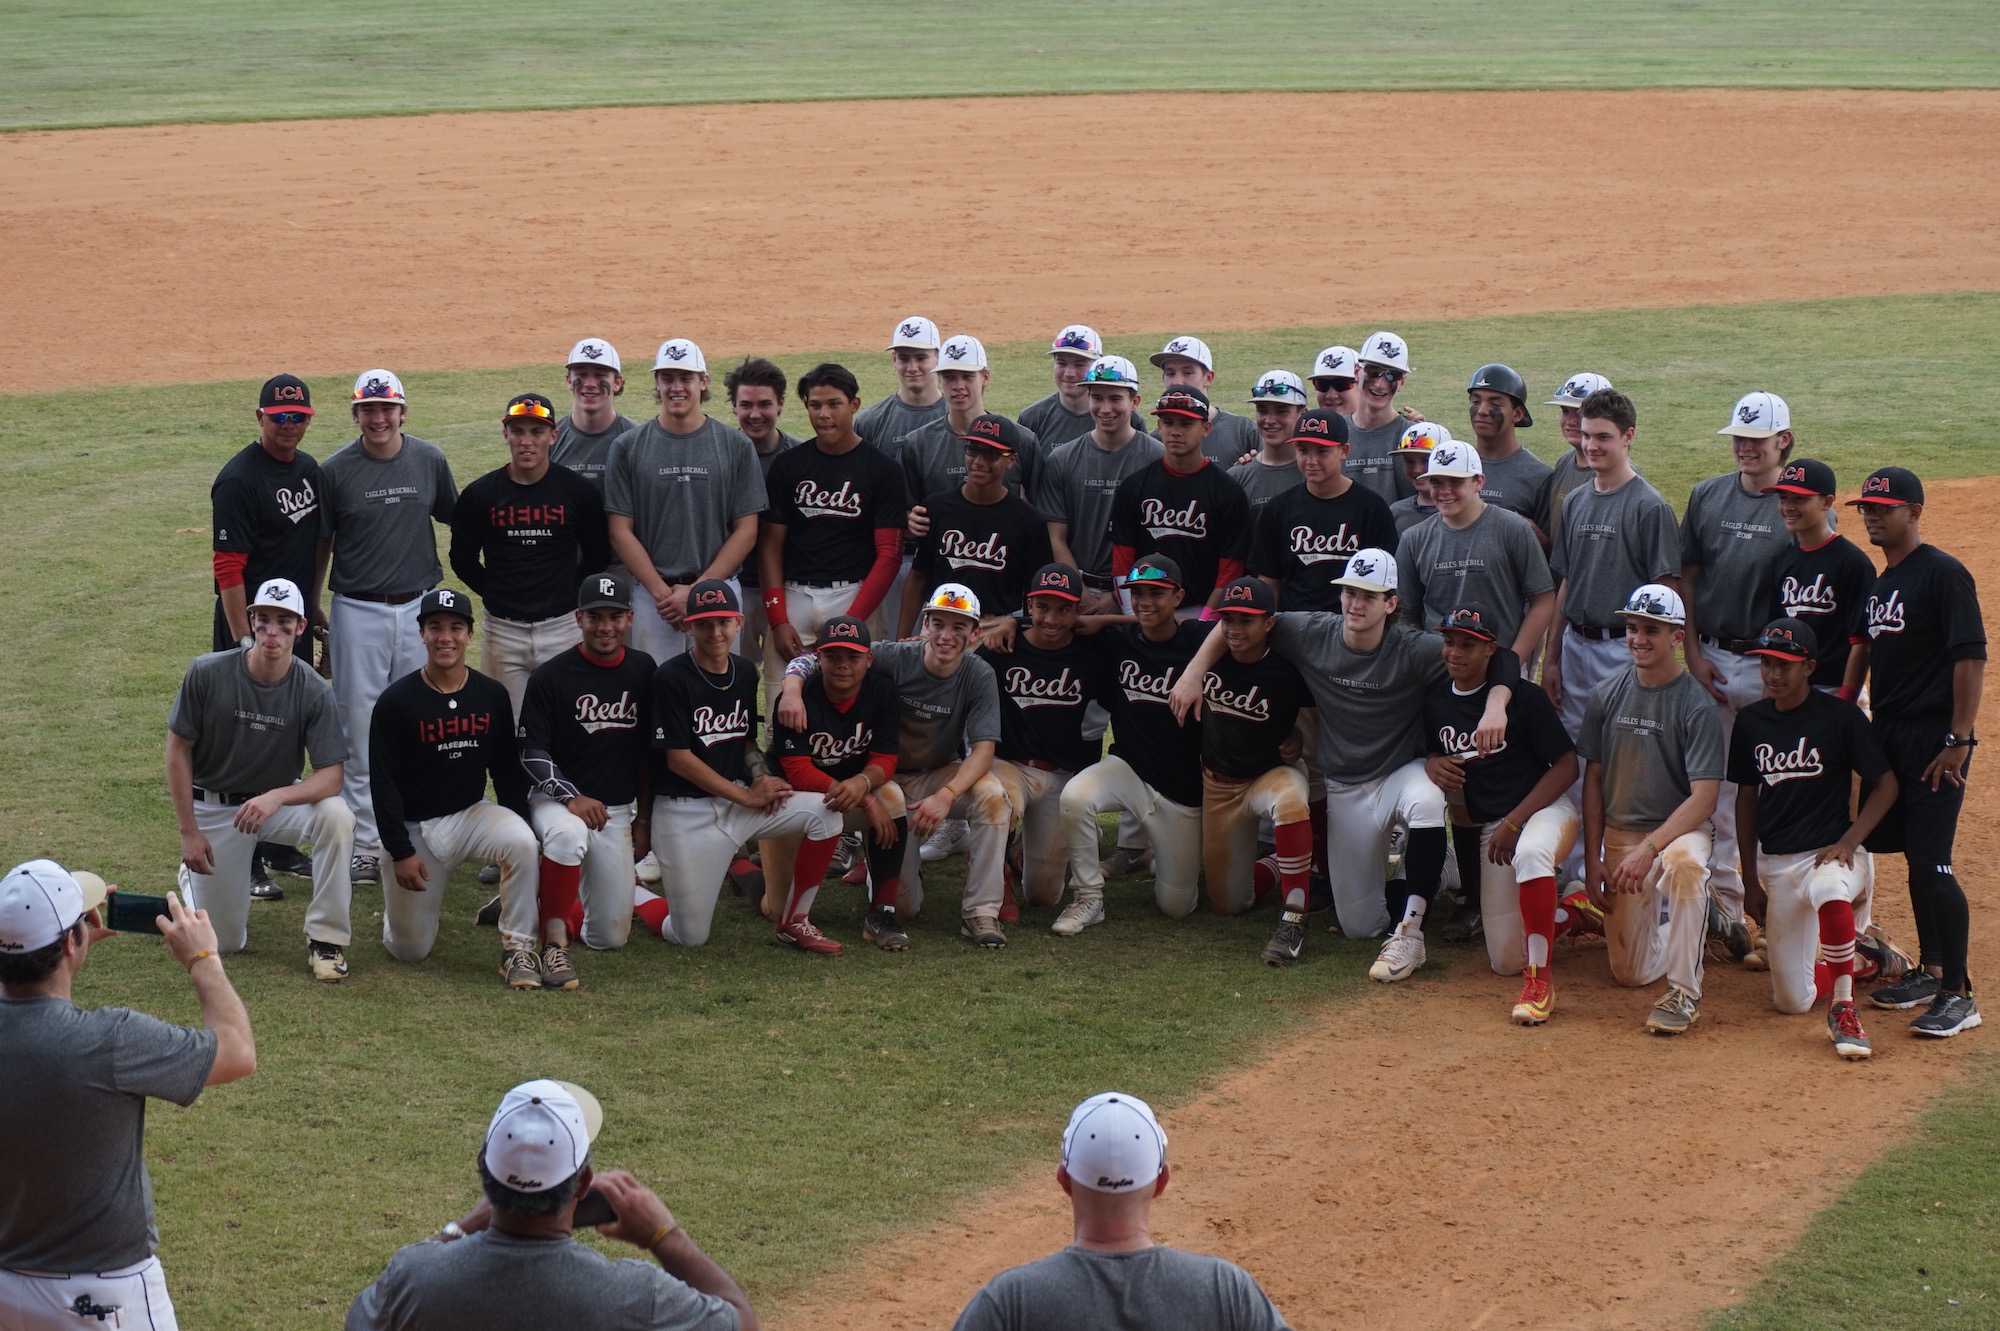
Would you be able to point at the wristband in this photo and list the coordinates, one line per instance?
(660, 1235)
(1510, 823)
(197, 958)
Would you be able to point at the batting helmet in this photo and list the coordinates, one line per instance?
(1502, 379)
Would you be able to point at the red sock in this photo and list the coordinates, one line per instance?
(884, 891)
(1010, 897)
(742, 865)
(652, 914)
(1316, 815)
(1836, 937)
(1538, 914)
(1263, 880)
(1822, 982)
(807, 870)
(557, 897)
(1295, 855)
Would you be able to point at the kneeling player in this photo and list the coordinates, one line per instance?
(1515, 799)
(1794, 755)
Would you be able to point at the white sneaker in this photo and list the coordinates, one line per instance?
(1401, 954)
(952, 836)
(1079, 915)
(648, 869)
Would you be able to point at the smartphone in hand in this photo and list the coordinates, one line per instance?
(594, 1209)
(133, 912)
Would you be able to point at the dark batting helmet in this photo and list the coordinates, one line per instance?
(1501, 379)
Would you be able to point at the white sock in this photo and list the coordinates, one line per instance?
(1413, 915)
(1538, 952)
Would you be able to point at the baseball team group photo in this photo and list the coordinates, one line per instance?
(1434, 716)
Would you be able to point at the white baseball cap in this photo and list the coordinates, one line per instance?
(1077, 340)
(378, 386)
(1113, 1144)
(1372, 570)
(1113, 372)
(40, 901)
(1336, 363)
(1758, 415)
(541, 1134)
(1421, 437)
(280, 594)
(954, 598)
(915, 332)
(1386, 348)
(1186, 348)
(1578, 387)
(1652, 601)
(1279, 386)
(678, 353)
(962, 351)
(594, 351)
(1452, 458)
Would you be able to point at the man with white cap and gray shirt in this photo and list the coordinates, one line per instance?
(513, 1262)
(1336, 378)
(933, 455)
(77, 1235)
(1113, 1276)
(593, 423)
(243, 724)
(1377, 426)
(383, 491)
(1474, 552)
(1570, 470)
(1186, 362)
(918, 399)
(1065, 414)
(1279, 399)
(1081, 479)
(682, 493)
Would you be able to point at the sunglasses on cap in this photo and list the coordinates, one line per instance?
(1072, 341)
(1149, 574)
(1331, 384)
(1389, 372)
(288, 417)
(1465, 620)
(951, 601)
(533, 409)
(1106, 374)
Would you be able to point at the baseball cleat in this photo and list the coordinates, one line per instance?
(1468, 926)
(806, 937)
(489, 874)
(1674, 1013)
(1878, 959)
(280, 858)
(1949, 1014)
(1126, 860)
(1586, 918)
(1843, 1027)
(487, 916)
(328, 961)
(1078, 915)
(845, 855)
(982, 929)
(364, 869)
(521, 969)
(647, 870)
(952, 836)
(1732, 935)
(557, 973)
(1756, 959)
(1289, 942)
(261, 886)
(1538, 998)
(1402, 952)
(879, 927)
(1913, 990)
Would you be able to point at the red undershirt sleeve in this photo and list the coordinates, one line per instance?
(888, 561)
(804, 775)
(229, 566)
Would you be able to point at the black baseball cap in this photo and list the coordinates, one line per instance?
(1157, 570)
(1471, 620)
(989, 428)
(1807, 476)
(1247, 596)
(605, 591)
(1788, 640)
(1891, 486)
(712, 598)
(285, 392)
(844, 632)
(1058, 580)
(1319, 426)
(445, 601)
(1184, 400)
(529, 407)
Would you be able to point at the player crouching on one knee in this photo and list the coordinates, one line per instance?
(1793, 756)
(1514, 799)
(1651, 743)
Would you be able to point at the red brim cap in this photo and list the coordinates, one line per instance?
(1240, 610)
(1480, 634)
(1319, 440)
(840, 646)
(1055, 595)
(997, 445)
(1181, 411)
(1806, 490)
(1775, 652)
(712, 614)
(277, 408)
(1885, 501)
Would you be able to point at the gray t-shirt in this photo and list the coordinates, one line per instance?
(1610, 544)
(941, 717)
(1736, 539)
(498, 1282)
(1148, 1290)
(587, 454)
(1653, 742)
(885, 421)
(1496, 562)
(1229, 437)
(1077, 485)
(1407, 512)
(1371, 460)
(75, 1195)
(1262, 482)
(1514, 482)
(1055, 425)
(1564, 477)
(747, 575)
(1370, 703)
(683, 492)
(248, 737)
(378, 515)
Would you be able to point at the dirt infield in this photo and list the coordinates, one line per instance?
(169, 254)
(1420, 1163)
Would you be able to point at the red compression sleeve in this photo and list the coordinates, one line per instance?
(888, 562)
(229, 566)
(801, 772)
(885, 763)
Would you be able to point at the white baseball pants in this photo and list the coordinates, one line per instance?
(806, 608)
(327, 826)
(1659, 930)
(606, 857)
(988, 817)
(1360, 816)
(1585, 667)
(132, 1298)
(1544, 843)
(695, 838)
(510, 650)
(1173, 830)
(1035, 797)
(486, 834)
(1796, 888)
(373, 646)
(1743, 683)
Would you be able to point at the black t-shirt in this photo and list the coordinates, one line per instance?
(593, 720)
(1922, 618)
(1802, 763)
(429, 754)
(269, 511)
(1198, 519)
(1247, 712)
(1498, 782)
(992, 548)
(830, 507)
(523, 548)
(1827, 587)
(838, 739)
(1138, 674)
(714, 719)
(1043, 693)
(1303, 541)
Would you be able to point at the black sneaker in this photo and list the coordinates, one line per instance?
(281, 858)
(1949, 1014)
(1732, 935)
(879, 927)
(261, 886)
(488, 916)
(1319, 894)
(1913, 990)
(489, 874)
(1288, 942)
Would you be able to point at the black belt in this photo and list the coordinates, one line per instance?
(383, 598)
(1739, 646)
(1101, 581)
(824, 584)
(1592, 633)
(219, 797)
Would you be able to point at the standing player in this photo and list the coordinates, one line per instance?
(932, 456)
(440, 732)
(1279, 399)
(242, 724)
(1376, 427)
(1183, 506)
(1653, 760)
(383, 491)
(1413, 452)
(1186, 362)
(756, 389)
(1793, 756)
(1570, 471)
(1336, 379)
(1065, 414)
(1474, 553)
(979, 533)
(1305, 536)
(265, 506)
(1822, 578)
(683, 493)
(1082, 477)
(1510, 476)
(585, 434)
(1927, 657)
(918, 399)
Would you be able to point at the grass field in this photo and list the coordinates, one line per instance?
(137, 62)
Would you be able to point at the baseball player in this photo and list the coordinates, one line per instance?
(1731, 540)
(1413, 452)
(1927, 660)
(1510, 476)
(756, 389)
(1186, 362)
(383, 491)
(1516, 804)
(1652, 748)
(682, 493)
(832, 541)
(1082, 477)
(584, 733)
(439, 733)
(1279, 399)
(1336, 379)
(1304, 537)
(933, 455)
(919, 398)
(1376, 426)
(1065, 414)
(1794, 755)
(1153, 772)
(1183, 506)
(265, 506)
(1571, 470)
(1822, 577)
(242, 724)
(980, 533)
(593, 423)
(1474, 552)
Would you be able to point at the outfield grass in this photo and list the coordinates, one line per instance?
(145, 61)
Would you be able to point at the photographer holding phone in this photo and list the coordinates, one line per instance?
(77, 1235)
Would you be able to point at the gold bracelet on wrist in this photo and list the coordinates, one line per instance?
(660, 1235)
(196, 959)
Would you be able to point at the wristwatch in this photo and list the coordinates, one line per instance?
(449, 1232)
(1952, 741)
(247, 640)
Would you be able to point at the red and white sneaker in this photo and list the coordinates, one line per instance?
(1843, 1027)
(806, 937)
(1538, 998)
(1585, 919)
